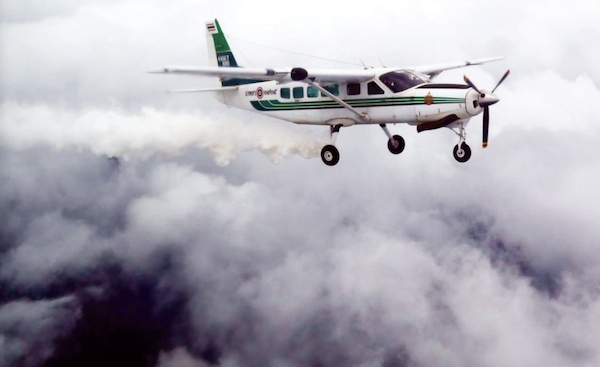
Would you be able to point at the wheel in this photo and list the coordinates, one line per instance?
(396, 144)
(330, 155)
(462, 155)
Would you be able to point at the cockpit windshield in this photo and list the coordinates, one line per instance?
(399, 81)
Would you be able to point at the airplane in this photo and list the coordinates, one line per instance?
(341, 98)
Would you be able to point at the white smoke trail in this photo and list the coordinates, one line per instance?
(122, 134)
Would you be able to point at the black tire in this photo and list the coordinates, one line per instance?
(465, 154)
(400, 144)
(330, 155)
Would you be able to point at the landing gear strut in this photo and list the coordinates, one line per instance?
(329, 154)
(395, 143)
(462, 152)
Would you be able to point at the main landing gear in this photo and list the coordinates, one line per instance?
(330, 155)
(462, 152)
(395, 143)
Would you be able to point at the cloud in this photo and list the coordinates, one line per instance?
(179, 358)
(33, 10)
(246, 283)
(29, 329)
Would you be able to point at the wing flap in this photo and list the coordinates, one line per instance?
(201, 90)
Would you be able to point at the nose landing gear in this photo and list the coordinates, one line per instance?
(462, 152)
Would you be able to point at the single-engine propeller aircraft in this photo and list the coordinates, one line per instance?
(340, 98)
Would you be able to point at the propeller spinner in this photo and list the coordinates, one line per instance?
(486, 99)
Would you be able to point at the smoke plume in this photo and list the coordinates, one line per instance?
(120, 134)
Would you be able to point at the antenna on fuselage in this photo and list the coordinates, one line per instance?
(364, 65)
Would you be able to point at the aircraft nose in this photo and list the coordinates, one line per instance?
(487, 99)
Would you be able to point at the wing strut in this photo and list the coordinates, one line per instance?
(362, 116)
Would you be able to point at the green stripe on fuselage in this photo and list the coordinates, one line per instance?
(275, 105)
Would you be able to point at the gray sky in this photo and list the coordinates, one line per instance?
(217, 235)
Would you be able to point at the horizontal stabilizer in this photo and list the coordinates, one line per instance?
(200, 90)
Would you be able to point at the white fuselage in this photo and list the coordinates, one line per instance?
(418, 104)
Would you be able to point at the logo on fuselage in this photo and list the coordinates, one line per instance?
(428, 99)
(260, 93)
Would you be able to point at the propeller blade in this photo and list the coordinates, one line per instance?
(486, 125)
(501, 80)
(471, 84)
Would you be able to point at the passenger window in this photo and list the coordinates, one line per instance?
(353, 89)
(298, 92)
(373, 88)
(285, 93)
(333, 89)
(312, 92)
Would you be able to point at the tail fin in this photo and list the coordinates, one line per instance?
(219, 53)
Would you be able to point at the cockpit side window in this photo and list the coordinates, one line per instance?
(399, 81)
(373, 88)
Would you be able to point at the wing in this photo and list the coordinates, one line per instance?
(299, 74)
(435, 70)
(225, 72)
(320, 76)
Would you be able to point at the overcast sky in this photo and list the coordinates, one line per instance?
(138, 228)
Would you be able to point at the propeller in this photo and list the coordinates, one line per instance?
(486, 125)
(501, 80)
(486, 99)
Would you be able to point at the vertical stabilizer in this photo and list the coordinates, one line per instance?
(219, 53)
